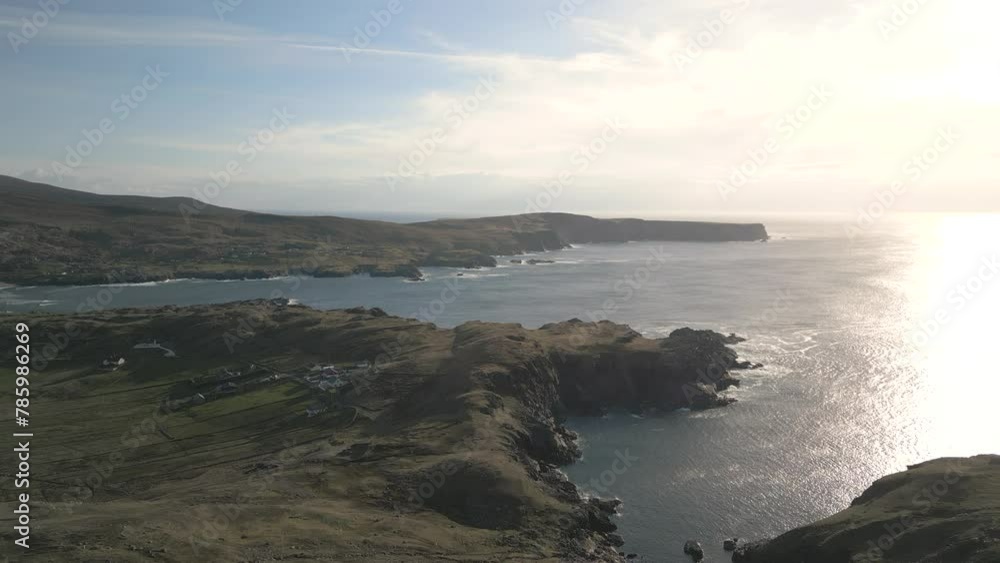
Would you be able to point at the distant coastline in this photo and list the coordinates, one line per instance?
(55, 236)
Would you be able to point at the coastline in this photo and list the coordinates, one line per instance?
(502, 390)
(407, 271)
(98, 245)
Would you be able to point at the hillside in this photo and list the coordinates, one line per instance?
(240, 448)
(941, 511)
(51, 235)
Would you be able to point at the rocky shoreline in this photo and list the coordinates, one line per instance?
(456, 432)
(355, 434)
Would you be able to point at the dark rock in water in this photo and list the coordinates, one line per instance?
(460, 274)
(534, 261)
(745, 553)
(516, 261)
(694, 549)
(608, 506)
(733, 339)
(731, 544)
(616, 540)
(631, 556)
(703, 397)
(727, 382)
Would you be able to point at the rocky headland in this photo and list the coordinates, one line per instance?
(277, 431)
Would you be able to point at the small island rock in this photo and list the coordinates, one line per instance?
(694, 549)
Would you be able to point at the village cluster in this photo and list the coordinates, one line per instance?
(323, 378)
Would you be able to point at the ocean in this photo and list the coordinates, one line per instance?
(878, 353)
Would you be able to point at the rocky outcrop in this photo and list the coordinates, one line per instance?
(693, 549)
(941, 511)
(604, 366)
(440, 443)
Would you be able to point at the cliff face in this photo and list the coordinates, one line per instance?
(583, 229)
(941, 511)
(448, 445)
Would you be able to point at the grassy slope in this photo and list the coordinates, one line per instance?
(942, 511)
(52, 235)
(119, 472)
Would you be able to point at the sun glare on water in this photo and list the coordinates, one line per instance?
(953, 332)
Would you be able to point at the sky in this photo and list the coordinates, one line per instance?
(474, 107)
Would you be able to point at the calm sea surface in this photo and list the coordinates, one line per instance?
(879, 352)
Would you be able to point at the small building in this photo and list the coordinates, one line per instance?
(154, 345)
(315, 410)
(112, 363)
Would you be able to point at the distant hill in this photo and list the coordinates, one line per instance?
(52, 235)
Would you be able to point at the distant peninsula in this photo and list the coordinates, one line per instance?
(56, 236)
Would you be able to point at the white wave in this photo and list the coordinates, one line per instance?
(21, 302)
(478, 276)
(140, 284)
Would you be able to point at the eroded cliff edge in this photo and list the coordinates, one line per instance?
(244, 447)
